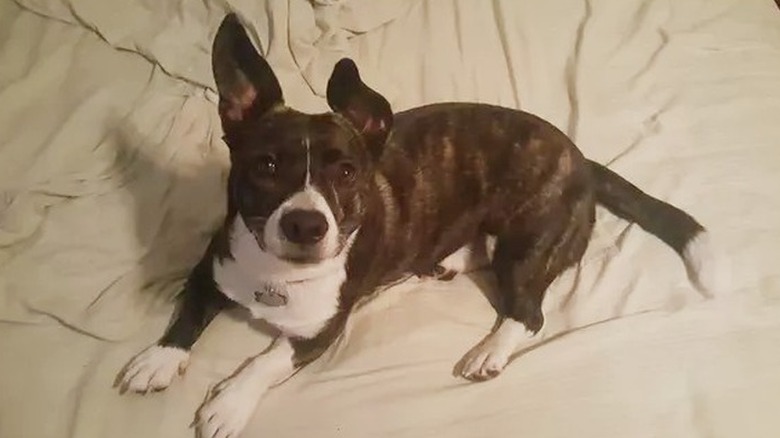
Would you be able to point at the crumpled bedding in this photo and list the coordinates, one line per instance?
(112, 174)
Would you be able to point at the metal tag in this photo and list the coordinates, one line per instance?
(272, 296)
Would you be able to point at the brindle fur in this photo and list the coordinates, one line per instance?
(429, 180)
(452, 172)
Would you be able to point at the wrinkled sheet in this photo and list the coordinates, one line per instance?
(112, 175)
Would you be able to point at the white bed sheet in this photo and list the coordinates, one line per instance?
(111, 175)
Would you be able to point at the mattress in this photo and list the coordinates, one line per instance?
(112, 175)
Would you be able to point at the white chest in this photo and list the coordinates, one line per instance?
(310, 293)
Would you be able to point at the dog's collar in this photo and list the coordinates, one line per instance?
(275, 293)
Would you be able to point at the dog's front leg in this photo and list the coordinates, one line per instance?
(231, 404)
(155, 367)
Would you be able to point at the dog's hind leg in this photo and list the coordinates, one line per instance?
(525, 265)
(470, 257)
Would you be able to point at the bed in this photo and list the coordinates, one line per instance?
(112, 174)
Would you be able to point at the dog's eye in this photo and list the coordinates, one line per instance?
(266, 166)
(346, 172)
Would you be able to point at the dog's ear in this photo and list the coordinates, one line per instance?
(366, 109)
(247, 86)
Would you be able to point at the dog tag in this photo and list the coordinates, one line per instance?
(271, 296)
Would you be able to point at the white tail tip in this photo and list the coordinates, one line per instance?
(706, 266)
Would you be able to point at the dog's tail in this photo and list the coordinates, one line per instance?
(667, 222)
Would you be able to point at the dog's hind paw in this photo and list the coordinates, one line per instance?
(153, 369)
(488, 358)
(485, 361)
(439, 273)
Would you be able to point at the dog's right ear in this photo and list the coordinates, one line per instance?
(247, 86)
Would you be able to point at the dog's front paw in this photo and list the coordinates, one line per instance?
(228, 409)
(153, 369)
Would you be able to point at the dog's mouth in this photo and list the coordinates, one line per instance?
(291, 252)
(304, 259)
(302, 254)
(256, 225)
(310, 254)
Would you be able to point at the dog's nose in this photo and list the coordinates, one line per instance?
(304, 227)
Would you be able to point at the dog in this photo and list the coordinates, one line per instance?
(325, 209)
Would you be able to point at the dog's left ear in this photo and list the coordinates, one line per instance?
(366, 109)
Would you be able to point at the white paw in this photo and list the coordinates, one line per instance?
(485, 361)
(470, 257)
(229, 408)
(458, 261)
(488, 358)
(708, 266)
(153, 369)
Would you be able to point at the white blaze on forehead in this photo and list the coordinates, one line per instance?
(307, 181)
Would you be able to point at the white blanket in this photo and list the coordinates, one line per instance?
(112, 176)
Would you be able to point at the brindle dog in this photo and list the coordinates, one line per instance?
(325, 209)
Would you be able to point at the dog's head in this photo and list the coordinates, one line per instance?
(297, 180)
